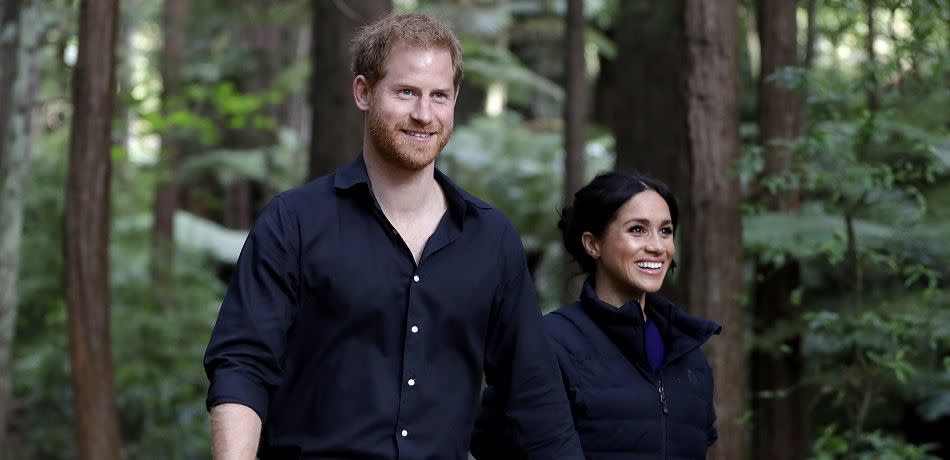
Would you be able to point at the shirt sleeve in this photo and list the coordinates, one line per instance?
(490, 438)
(244, 356)
(521, 368)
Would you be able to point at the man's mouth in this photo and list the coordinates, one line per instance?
(418, 134)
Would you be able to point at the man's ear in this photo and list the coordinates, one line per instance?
(591, 245)
(362, 93)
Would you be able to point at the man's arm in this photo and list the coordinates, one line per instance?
(245, 355)
(235, 432)
(521, 366)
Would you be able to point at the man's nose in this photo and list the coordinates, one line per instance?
(422, 112)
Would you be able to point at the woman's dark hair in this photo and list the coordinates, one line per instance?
(595, 207)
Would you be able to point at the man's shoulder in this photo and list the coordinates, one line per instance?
(495, 218)
(305, 196)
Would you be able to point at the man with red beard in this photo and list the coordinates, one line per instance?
(367, 305)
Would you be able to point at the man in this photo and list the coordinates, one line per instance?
(366, 304)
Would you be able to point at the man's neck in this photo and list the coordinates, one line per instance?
(401, 191)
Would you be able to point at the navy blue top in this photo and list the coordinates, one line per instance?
(347, 348)
(656, 351)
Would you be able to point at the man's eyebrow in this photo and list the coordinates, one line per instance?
(448, 90)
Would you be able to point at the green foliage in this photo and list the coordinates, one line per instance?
(833, 445)
(159, 381)
(871, 231)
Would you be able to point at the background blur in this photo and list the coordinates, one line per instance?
(808, 143)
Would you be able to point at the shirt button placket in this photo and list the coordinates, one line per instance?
(410, 358)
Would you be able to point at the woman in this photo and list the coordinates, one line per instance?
(638, 384)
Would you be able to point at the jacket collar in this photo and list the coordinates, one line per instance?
(681, 332)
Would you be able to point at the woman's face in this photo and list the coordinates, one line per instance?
(635, 251)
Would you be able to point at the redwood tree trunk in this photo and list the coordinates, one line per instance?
(337, 134)
(872, 57)
(575, 117)
(713, 246)
(778, 428)
(9, 43)
(677, 118)
(650, 107)
(12, 172)
(167, 194)
(87, 233)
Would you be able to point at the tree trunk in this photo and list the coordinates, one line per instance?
(12, 175)
(677, 118)
(713, 265)
(167, 193)
(811, 33)
(778, 429)
(650, 107)
(264, 40)
(337, 134)
(9, 43)
(575, 118)
(87, 233)
(872, 58)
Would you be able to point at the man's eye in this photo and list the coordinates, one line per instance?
(405, 92)
(440, 96)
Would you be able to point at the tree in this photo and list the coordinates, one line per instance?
(677, 118)
(337, 133)
(575, 113)
(12, 172)
(167, 194)
(713, 268)
(87, 233)
(776, 369)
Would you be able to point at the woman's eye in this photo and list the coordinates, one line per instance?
(637, 230)
(666, 230)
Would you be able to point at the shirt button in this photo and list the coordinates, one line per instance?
(411, 382)
(415, 278)
(404, 433)
(414, 329)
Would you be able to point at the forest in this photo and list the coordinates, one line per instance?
(808, 143)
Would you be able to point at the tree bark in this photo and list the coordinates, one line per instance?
(242, 196)
(713, 266)
(872, 58)
(12, 175)
(87, 233)
(779, 420)
(337, 134)
(575, 118)
(9, 43)
(650, 107)
(167, 193)
(677, 118)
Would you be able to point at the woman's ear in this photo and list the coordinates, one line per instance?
(362, 92)
(591, 245)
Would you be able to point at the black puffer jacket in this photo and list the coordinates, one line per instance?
(621, 409)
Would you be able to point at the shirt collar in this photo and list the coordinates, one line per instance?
(349, 176)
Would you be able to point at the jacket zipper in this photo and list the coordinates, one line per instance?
(666, 411)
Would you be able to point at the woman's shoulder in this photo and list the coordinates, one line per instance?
(566, 325)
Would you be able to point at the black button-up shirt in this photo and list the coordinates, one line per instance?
(347, 348)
